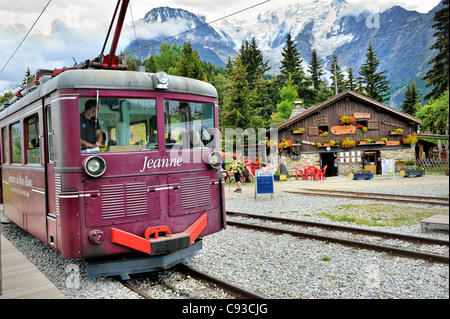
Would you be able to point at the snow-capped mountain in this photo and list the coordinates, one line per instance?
(401, 38)
(162, 24)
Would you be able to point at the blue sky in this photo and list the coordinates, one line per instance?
(78, 30)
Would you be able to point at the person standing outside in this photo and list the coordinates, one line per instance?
(91, 133)
(237, 168)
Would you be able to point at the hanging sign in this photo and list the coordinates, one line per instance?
(343, 129)
(358, 115)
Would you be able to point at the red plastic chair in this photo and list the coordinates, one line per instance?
(322, 175)
(314, 172)
(306, 173)
(298, 172)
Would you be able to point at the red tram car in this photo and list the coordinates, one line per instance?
(152, 186)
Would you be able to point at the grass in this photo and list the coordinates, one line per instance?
(381, 214)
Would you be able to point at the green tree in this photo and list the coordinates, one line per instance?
(132, 65)
(190, 65)
(438, 76)
(375, 84)
(253, 59)
(151, 65)
(351, 84)
(5, 97)
(261, 103)
(288, 96)
(316, 70)
(411, 100)
(291, 63)
(291, 67)
(168, 57)
(434, 115)
(236, 111)
(28, 78)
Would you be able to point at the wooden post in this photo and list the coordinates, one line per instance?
(335, 78)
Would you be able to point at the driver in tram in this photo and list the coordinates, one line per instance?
(91, 133)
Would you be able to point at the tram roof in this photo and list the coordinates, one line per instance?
(111, 80)
(126, 80)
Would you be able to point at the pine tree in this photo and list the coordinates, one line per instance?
(190, 65)
(351, 84)
(375, 84)
(252, 58)
(411, 100)
(315, 69)
(237, 105)
(439, 74)
(291, 64)
(261, 104)
(151, 65)
(291, 67)
(337, 77)
(27, 79)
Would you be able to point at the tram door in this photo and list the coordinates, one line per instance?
(50, 176)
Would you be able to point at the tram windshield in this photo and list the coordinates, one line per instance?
(119, 125)
(188, 125)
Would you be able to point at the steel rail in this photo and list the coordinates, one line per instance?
(372, 197)
(379, 194)
(355, 230)
(210, 280)
(347, 242)
(227, 286)
(134, 289)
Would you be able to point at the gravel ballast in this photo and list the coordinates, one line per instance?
(282, 266)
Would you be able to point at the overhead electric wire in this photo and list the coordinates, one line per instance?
(26, 35)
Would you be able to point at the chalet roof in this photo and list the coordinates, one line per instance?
(341, 96)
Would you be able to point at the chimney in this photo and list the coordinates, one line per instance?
(298, 109)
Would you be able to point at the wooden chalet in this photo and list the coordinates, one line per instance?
(317, 135)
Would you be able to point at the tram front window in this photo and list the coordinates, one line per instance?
(119, 125)
(188, 125)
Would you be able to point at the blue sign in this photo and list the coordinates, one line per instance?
(264, 183)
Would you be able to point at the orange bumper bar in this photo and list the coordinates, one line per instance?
(158, 244)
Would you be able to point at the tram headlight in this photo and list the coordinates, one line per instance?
(215, 159)
(161, 80)
(94, 166)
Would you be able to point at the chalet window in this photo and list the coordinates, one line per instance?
(323, 129)
(372, 125)
(313, 131)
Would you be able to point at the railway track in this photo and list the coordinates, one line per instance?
(206, 284)
(406, 199)
(414, 241)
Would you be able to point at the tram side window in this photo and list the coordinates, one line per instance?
(51, 156)
(125, 125)
(32, 139)
(188, 125)
(5, 145)
(16, 139)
